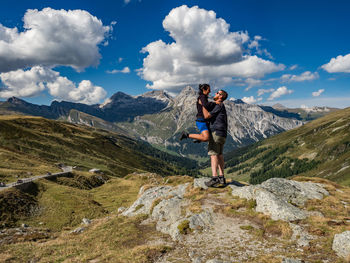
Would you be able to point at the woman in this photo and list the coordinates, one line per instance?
(201, 123)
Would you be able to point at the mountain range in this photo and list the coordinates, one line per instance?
(159, 119)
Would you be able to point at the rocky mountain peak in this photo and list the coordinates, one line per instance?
(238, 101)
(159, 95)
(186, 97)
(279, 106)
(15, 100)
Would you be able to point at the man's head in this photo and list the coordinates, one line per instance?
(220, 96)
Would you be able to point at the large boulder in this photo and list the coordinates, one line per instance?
(295, 192)
(279, 197)
(277, 208)
(246, 192)
(168, 214)
(341, 244)
(144, 203)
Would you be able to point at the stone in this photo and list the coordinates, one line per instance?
(95, 170)
(202, 220)
(144, 203)
(295, 192)
(292, 260)
(247, 192)
(121, 209)
(200, 182)
(168, 214)
(341, 244)
(215, 261)
(86, 221)
(78, 230)
(277, 208)
(303, 238)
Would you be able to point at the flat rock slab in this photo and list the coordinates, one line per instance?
(277, 208)
(144, 203)
(295, 192)
(341, 244)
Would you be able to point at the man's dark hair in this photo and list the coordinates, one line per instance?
(224, 95)
(203, 87)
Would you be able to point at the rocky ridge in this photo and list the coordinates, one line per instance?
(198, 221)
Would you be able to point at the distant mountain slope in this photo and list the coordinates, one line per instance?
(247, 124)
(319, 148)
(120, 107)
(303, 114)
(34, 145)
(159, 119)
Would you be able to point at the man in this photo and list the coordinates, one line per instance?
(218, 133)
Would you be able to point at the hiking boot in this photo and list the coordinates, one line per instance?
(184, 135)
(222, 180)
(213, 181)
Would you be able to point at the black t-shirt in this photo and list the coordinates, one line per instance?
(205, 103)
(218, 120)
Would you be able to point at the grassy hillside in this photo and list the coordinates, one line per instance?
(320, 148)
(32, 146)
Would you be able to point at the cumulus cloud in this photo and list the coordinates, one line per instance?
(204, 50)
(263, 91)
(249, 100)
(125, 70)
(250, 82)
(307, 75)
(53, 37)
(29, 83)
(280, 92)
(338, 64)
(317, 93)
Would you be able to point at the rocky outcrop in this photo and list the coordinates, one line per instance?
(281, 198)
(167, 206)
(221, 223)
(277, 208)
(341, 244)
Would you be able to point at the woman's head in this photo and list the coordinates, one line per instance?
(204, 89)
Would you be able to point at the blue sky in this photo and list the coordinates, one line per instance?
(266, 52)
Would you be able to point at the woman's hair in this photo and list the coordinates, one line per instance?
(203, 87)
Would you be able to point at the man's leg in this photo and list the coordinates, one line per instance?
(221, 164)
(214, 165)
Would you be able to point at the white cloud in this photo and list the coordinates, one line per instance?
(338, 64)
(293, 67)
(120, 60)
(252, 83)
(263, 91)
(204, 50)
(317, 93)
(249, 100)
(31, 82)
(53, 37)
(307, 75)
(125, 70)
(280, 92)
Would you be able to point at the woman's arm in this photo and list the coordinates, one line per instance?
(206, 113)
(204, 102)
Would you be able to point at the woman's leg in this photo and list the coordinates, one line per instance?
(204, 136)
